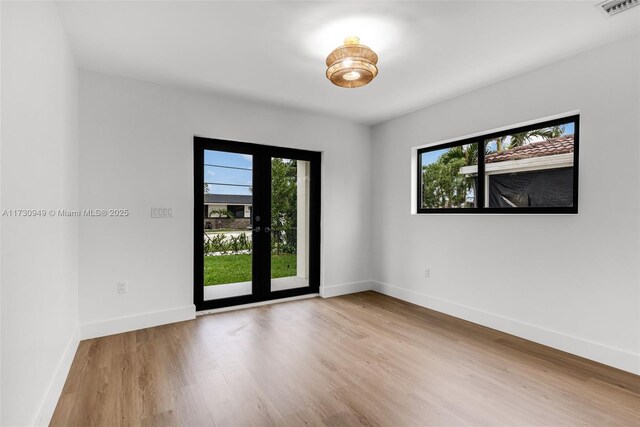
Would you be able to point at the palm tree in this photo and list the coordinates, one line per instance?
(467, 152)
(522, 138)
(519, 139)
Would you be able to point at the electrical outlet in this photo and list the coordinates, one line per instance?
(123, 287)
(426, 273)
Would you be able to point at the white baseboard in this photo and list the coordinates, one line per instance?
(344, 289)
(50, 400)
(132, 323)
(598, 352)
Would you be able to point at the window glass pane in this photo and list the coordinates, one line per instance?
(449, 177)
(290, 223)
(530, 169)
(228, 204)
(227, 173)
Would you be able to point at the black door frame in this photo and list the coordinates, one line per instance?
(261, 265)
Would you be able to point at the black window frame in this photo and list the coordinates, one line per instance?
(480, 191)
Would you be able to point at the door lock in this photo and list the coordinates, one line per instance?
(257, 229)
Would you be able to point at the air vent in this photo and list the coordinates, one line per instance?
(616, 6)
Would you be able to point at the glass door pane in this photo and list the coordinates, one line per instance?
(290, 225)
(227, 216)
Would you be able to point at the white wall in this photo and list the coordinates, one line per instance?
(1, 118)
(38, 171)
(137, 152)
(571, 281)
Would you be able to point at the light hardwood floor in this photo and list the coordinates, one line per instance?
(358, 359)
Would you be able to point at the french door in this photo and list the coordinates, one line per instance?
(256, 223)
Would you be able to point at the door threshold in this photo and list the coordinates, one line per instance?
(255, 304)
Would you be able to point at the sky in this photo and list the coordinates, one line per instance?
(213, 174)
(432, 156)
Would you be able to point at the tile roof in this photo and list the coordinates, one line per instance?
(548, 147)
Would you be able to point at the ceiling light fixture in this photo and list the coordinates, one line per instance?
(352, 64)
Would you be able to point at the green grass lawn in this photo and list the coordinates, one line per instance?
(237, 268)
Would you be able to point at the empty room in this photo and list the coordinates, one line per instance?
(320, 213)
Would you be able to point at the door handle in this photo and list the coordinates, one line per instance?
(257, 229)
(267, 229)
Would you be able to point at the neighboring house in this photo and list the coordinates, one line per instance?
(536, 174)
(546, 148)
(239, 206)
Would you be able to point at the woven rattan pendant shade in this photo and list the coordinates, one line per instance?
(352, 64)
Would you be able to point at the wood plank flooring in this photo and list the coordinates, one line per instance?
(362, 359)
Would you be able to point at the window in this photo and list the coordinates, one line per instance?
(237, 211)
(528, 169)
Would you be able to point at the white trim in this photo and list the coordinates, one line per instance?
(140, 321)
(227, 290)
(345, 288)
(51, 396)
(533, 164)
(522, 165)
(598, 352)
(413, 170)
(255, 304)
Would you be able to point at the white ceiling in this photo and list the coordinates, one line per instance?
(274, 51)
